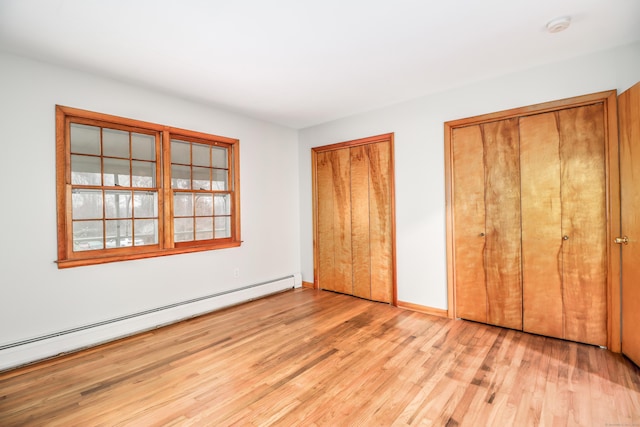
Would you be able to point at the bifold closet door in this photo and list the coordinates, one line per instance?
(354, 236)
(486, 191)
(564, 224)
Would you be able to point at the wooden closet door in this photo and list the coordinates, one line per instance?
(584, 223)
(487, 223)
(360, 240)
(629, 114)
(353, 195)
(502, 207)
(566, 156)
(469, 223)
(564, 224)
(543, 310)
(381, 220)
(335, 264)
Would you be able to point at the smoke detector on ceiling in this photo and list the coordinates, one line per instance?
(558, 24)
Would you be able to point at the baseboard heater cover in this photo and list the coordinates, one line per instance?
(46, 346)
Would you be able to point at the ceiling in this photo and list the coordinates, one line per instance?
(303, 62)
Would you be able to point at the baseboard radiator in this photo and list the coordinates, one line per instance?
(54, 344)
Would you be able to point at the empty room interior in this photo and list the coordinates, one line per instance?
(326, 213)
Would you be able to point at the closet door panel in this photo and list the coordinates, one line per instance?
(582, 152)
(334, 184)
(541, 225)
(502, 223)
(325, 240)
(380, 216)
(360, 241)
(469, 223)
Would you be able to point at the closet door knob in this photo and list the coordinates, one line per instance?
(481, 234)
(621, 240)
(565, 237)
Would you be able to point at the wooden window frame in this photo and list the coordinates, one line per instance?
(166, 245)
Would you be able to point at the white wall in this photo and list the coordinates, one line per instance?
(419, 155)
(36, 298)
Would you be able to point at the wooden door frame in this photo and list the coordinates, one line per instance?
(612, 201)
(314, 181)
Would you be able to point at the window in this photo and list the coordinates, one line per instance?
(129, 189)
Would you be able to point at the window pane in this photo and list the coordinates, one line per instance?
(117, 204)
(146, 232)
(145, 204)
(143, 174)
(85, 170)
(219, 156)
(116, 172)
(87, 235)
(201, 154)
(201, 178)
(183, 229)
(85, 139)
(143, 147)
(219, 179)
(223, 204)
(183, 204)
(223, 227)
(180, 152)
(204, 205)
(115, 143)
(119, 233)
(86, 204)
(204, 228)
(180, 177)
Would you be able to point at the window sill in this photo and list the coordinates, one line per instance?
(104, 259)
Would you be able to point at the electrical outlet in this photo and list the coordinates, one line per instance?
(236, 272)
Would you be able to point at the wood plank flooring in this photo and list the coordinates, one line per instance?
(310, 358)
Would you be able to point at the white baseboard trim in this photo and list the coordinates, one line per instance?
(28, 351)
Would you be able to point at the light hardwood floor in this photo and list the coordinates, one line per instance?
(310, 358)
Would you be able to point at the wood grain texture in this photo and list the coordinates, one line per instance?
(528, 110)
(63, 187)
(68, 258)
(325, 243)
(316, 358)
(469, 223)
(629, 115)
(502, 223)
(341, 171)
(610, 219)
(380, 216)
(354, 218)
(584, 222)
(541, 206)
(360, 239)
(449, 220)
(614, 255)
